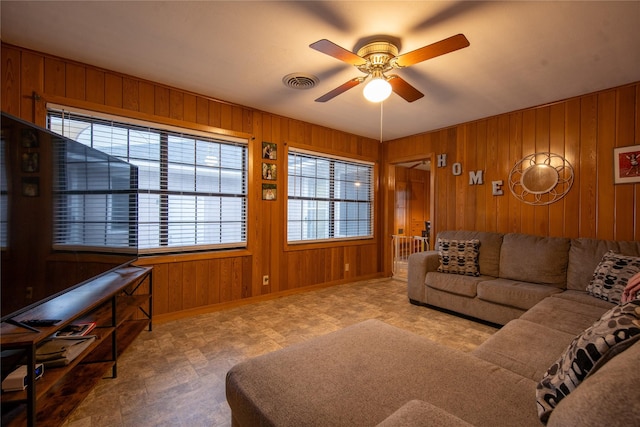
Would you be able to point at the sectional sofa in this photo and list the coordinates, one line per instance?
(515, 272)
(565, 355)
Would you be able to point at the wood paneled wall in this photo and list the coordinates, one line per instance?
(585, 130)
(31, 79)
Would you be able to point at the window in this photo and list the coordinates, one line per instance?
(192, 186)
(94, 199)
(328, 198)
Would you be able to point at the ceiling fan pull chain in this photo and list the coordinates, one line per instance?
(381, 121)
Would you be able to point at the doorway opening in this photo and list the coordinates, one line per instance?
(412, 213)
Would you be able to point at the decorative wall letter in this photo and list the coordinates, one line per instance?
(476, 177)
(456, 169)
(442, 160)
(497, 188)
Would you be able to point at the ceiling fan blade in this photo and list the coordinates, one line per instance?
(340, 89)
(332, 49)
(450, 44)
(404, 89)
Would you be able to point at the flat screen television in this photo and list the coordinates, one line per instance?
(68, 213)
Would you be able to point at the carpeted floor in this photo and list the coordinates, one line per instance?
(174, 376)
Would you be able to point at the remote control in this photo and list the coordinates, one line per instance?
(41, 322)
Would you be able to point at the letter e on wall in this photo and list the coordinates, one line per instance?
(496, 188)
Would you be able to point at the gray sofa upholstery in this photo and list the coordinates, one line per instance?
(516, 272)
(372, 373)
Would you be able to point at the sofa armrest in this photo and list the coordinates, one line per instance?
(420, 263)
(609, 396)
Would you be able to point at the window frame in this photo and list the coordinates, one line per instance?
(205, 133)
(332, 240)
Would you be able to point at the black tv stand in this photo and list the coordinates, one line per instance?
(22, 325)
(119, 302)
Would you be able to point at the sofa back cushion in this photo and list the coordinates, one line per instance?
(535, 259)
(586, 254)
(489, 257)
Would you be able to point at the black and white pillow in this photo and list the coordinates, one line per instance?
(611, 275)
(459, 256)
(616, 330)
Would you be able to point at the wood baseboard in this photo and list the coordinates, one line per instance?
(176, 315)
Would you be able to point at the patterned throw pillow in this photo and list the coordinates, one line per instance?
(616, 330)
(459, 256)
(611, 276)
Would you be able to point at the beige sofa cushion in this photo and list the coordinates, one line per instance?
(514, 293)
(524, 347)
(454, 283)
(586, 254)
(569, 316)
(583, 298)
(535, 259)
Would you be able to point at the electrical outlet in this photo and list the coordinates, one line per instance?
(265, 280)
(346, 267)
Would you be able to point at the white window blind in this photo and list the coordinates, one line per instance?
(192, 186)
(329, 198)
(94, 200)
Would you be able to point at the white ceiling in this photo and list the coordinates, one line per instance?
(522, 54)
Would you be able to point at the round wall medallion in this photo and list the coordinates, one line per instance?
(541, 178)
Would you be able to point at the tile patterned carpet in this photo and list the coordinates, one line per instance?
(174, 376)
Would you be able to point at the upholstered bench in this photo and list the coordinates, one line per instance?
(363, 374)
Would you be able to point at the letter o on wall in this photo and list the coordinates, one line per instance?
(456, 168)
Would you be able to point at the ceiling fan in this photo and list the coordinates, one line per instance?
(379, 57)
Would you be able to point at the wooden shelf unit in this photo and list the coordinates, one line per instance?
(120, 302)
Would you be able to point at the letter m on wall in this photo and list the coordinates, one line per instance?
(476, 177)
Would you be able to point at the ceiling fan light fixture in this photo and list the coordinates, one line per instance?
(377, 90)
(379, 57)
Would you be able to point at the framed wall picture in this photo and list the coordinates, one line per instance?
(29, 138)
(626, 164)
(269, 192)
(31, 187)
(269, 171)
(29, 162)
(269, 151)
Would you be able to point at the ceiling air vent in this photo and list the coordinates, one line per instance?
(300, 81)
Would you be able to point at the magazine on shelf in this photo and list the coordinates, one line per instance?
(76, 330)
